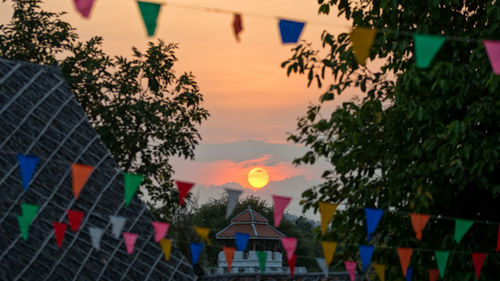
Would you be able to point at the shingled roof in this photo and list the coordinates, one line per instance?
(39, 116)
(251, 222)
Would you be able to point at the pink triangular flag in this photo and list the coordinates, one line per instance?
(161, 229)
(184, 188)
(498, 239)
(280, 203)
(351, 269)
(84, 7)
(477, 260)
(130, 239)
(493, 51)
(289, 244)
(75, 219)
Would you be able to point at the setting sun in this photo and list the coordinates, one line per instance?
(258, 177)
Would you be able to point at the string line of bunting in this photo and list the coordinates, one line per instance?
(82, 172)
(426, 45)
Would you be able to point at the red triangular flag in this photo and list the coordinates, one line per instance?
(237, 26)
(418, 222)
(498, 239)
(59, 231)
(183, 188)
(433, 274)
(291, 264)
(477, 260)
(229, 253)
(81, 174)
(75, 219)
(404, 257)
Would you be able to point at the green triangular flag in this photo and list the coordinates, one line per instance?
(426, 47)
(23, 226)
(262, 260)
(149, 12)
(442, 260)
(28, 212)
(131, 182)
(461, 227)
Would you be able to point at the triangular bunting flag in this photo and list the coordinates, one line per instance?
(373, 217)
(380, 270)
(362, 40)
(404, 258)
(59, 232)
(84, 7)
(433, 274)
(232, 200)
(229, 254)
(461, 227)
(426, 47)
(166, 246)
(117, 224)
(241, 240)
(75, 219)
(290, 30)
(80, 174)
(27, 166)
(418, 221)
(291, 264)
(195, 251)
(366, 253)
(280, 203)
(289, 244)
(262, 256)
(328, 251)
(149, 12)
(477, 260)
(351, 269)
(131, 182)
(203, 233)
(23, 227)
(237, 26)
(95, 236)
(161, 230)
(322, 264)
(327, 210)
(184, 188)
(29, 212)
(442, 260)
(409, 273)
(498, 239)
(493, 51)
(130, 239)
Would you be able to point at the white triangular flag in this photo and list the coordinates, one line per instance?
(322, 264)
(118, 223)
(95, 236)
(232, 200)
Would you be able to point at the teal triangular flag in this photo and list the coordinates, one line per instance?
(131, 183)
(442, 260)
(29, 212)
(461, 227)
(426, 47)
(149, 12)
(262, 260)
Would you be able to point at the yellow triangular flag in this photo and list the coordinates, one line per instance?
(380, 270)
(203, 232)
(362, 40)
(166, 245)
(328, 251)
(326, 210)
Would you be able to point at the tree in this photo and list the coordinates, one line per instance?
(417, 141)
(143, 111)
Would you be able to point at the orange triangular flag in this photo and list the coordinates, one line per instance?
(433, 274)
(419, 221)
(362, 40)
(328, 251)
(229, 253)
(404, 257)
(326, 210)
(81, 174)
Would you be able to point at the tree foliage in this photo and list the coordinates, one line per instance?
(418, 140)
(143, 111)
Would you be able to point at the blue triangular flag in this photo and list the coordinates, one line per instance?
(373, 217)
(27, 165)
(290, 30)
(195, 251)
(409, 273)
(241, 240)
(366, 253)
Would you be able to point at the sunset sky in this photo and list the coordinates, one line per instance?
(253, 104)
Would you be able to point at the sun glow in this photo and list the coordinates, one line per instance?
(258, 177)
